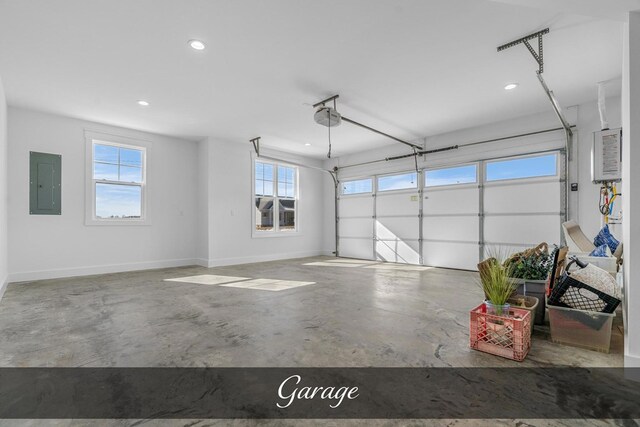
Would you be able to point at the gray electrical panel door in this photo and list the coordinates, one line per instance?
(45, 186)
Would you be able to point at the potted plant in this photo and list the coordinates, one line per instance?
(530, 270)
(498, 286)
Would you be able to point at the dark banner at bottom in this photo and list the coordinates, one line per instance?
(316, 393)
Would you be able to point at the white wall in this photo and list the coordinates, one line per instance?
(630, 180)
(583, 205)
(204, 199)
(44, 246)
(230, 208)
(3, 192)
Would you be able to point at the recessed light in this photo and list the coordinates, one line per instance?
(307, 144)
(197, 44)
(511, 86)
(143, 103)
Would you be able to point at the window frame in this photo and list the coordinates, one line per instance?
(459, 165)
(276, 232)
(554, 153)
(93, 138)
(365, 193)
(416, 188)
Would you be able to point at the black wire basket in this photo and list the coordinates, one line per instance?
(572, 293)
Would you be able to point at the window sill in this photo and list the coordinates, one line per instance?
(369, 194)
(268, 234)
(117, 222)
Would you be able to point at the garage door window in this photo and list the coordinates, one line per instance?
(358, 186)
(275, 198)
(398, 182)
(451, 176)
(523, 167)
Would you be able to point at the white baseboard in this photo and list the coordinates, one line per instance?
(3, 286)
(221, 262)
(631, 361)
(202, 262)
(100, 269)
(118, 268)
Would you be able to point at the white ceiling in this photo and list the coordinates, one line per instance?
(411, 68)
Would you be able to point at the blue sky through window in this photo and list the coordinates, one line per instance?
(525, 167)
(118, 201)
(398, 182)
(105, 153)
(117, 164)
(105, 171)
(286, 182)
(264, 179)
(450, 176)
(131, 157)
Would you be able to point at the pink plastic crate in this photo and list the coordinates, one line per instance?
(506, 335)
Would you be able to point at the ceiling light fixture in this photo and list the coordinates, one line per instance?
(143, 103)
(197, 44)
(511, 86)
(307, 145)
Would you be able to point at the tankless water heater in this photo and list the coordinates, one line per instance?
(606, 156)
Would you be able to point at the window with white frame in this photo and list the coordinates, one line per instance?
(118, 181)
(357, 186)
(275, 197)
(523, 167)
(398, 182)
(456, 175)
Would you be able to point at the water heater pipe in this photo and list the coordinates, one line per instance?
(602, 106)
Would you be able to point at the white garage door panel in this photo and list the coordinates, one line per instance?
(356, 248)
(397, 204)
(451, 255)
(355, 206)
(460, 228)
(451, 201)
(402, 251)
(356, 227)
(534, 197)
(524, 229)
(392, 228)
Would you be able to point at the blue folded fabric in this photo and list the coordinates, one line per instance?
(600, 251)
(604, 237)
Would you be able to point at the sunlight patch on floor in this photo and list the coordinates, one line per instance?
(207, 279)
(268, 284)
(241, 282)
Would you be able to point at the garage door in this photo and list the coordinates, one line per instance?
(455, 215)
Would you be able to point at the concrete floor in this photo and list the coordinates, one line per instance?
(366, 315)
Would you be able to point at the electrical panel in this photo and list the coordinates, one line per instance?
(45, 186)
(606, 156)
